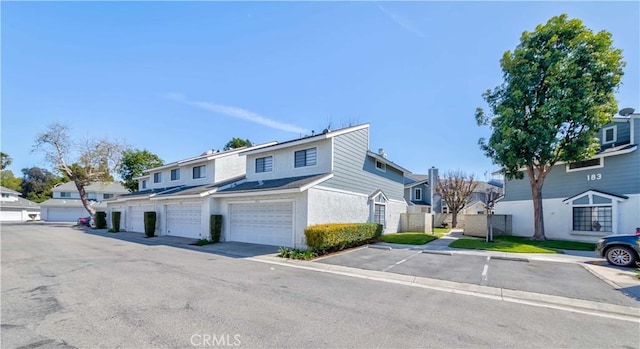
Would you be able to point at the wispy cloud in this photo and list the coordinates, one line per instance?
(238, 113)
(404, 23)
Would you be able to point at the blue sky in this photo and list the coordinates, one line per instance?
(179, 78)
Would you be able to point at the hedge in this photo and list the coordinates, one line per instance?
(150, 223)
(337, 236)
(216, 227)
(101, 220)
(115, 221)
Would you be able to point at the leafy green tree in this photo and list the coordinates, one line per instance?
(97, 160)
(37, 183)
(558, 90)
(8, 180)
(134, 163)
(235, 143)
(5, 160)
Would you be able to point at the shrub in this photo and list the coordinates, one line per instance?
(215, 226)
(150, 224)
(101, 220)
(110, 231)
(292, 253)
(202, 242)
(115, 221)
(324, 238)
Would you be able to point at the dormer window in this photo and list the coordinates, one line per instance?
(609, 135)
(381, 166)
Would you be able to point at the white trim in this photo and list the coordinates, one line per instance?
(604, 134)
(415, 191)
(601, 159)
(319, 187)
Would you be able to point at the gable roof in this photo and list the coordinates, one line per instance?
(387, 161)
(597, 192)
(8, 191)
(19, 202)
(308, 139)
(97, 187)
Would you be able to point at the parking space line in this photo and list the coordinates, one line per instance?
(485, 271)
(402, 261)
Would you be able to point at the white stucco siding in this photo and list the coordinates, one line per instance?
(283, 162)
(558, 218)
(328, 206)
(229, 167)
(299, 201)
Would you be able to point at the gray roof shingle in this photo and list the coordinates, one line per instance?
(274, 184)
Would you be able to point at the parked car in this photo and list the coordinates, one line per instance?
(620, 250)
(87, 221)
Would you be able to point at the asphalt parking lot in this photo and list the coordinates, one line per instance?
(559, 279)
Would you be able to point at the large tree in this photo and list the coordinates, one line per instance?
(37, 183)
(5, 160)
(8, 180)
(455, 189)
(558, 90)
(95, 160)
(235, 143)
(134, 163)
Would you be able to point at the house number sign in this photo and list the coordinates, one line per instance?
(594, 177)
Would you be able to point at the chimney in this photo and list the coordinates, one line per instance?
(382, 153)
(433, 179)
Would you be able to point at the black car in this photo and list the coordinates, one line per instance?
(620, 250)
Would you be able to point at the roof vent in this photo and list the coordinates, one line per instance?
(208, 152)
(325, 131)
(382, 153)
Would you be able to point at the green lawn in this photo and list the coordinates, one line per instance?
(521, 245)
(408, 238)
(440, 232)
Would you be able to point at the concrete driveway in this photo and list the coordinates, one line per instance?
(570, 280)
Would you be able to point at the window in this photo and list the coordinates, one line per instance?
(381, 166)
(585, 165)
(594, 218)
(199, 172)
(144, 184)
(445, 208)
(157, 177)
(417, 195)
(5, 195)
(91, 196)
(175, 174)
(264, 164)
(305, 157)
(379, 213)
(65, 194)
(107, 196)
(609, 135)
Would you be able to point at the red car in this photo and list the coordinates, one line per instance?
(86, 221)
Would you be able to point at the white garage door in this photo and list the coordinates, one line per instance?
(71, 214)
(136, 215)
(264, 223)
(184, 220)
(10, 215)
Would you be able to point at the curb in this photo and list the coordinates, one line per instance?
(607, 310)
